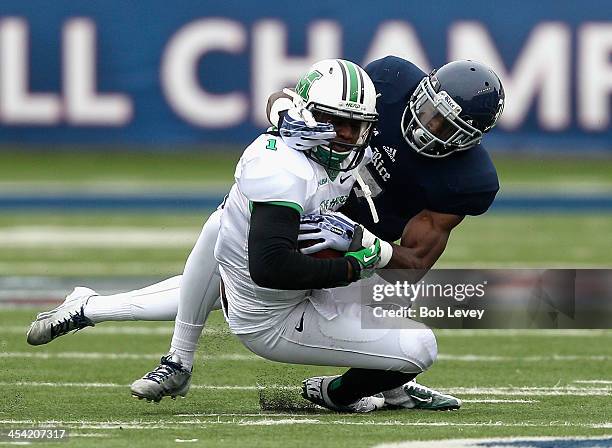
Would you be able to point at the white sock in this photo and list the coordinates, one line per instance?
(155, 302)
(185, 342)
(199, 292)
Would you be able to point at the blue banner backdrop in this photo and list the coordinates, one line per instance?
(191, 72)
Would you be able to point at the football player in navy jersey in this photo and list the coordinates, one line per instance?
(429, 169)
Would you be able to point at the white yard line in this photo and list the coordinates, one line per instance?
(130, 330)
(286, 419)
(493, 391)
(89, 268)
(225, 414)
(88, 434)
(592, 382)
(495, 358)
(500, 401)
(251, 358)
(116, 385)
(121, 356)
(71, 237)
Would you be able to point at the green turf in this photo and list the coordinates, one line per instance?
(235, 418)
(97, 166)
(492, 240)
(205, 166)
(538, 171)
(546, 240)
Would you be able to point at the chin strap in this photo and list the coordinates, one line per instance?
(368, 196)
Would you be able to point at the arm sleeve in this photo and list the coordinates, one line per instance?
(274, 259)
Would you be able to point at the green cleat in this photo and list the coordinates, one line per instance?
(413, 395)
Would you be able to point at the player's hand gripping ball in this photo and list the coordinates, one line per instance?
(327, 235)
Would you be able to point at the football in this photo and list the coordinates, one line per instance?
(325, 253)
(328, 253)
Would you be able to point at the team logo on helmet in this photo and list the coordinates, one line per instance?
(303, 86)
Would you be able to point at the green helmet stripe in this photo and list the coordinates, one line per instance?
(354, 85)
(362, 84)
(344, 80)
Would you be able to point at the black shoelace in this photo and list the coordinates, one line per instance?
(75, 321)
(164, 370)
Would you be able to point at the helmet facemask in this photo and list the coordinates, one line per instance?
(432, 124)
(342, 155)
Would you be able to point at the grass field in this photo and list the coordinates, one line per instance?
(73, 239)
(158, 244)
(513, 383)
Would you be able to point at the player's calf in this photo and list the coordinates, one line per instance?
(316, 391)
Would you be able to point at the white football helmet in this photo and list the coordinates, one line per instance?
(336, 88)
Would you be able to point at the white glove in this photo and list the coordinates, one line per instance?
(331, 230)
(386, 250)
(300, 131)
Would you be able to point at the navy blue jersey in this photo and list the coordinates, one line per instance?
(404, 182)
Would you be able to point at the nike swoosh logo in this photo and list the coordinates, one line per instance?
(345, 179)
(300, 326)
(366, 259)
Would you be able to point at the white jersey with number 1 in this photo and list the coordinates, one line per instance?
(269, 171)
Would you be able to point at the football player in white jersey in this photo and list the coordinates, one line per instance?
(268, 283)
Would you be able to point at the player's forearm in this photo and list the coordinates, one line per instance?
(275, 262)
(418, 259)
(413, 257)
(423, 241)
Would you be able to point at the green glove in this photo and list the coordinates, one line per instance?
(368, 251)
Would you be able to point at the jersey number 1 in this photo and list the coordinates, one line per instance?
(271, 144)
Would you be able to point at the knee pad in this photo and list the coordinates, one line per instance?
(419, 346)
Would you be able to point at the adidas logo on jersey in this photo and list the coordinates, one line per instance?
(390, 152)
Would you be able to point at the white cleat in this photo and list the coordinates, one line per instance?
(315, 390)
(67, 317)
(168, 379)
(413, 395)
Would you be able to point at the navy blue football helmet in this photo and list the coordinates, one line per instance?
(452, 108)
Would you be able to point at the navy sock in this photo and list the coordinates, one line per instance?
(359, 383)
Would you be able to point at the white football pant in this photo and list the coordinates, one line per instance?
(306, 336)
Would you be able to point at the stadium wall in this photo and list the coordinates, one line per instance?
(180, 74)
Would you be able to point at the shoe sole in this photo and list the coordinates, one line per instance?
(155, 400)
(182, 393)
